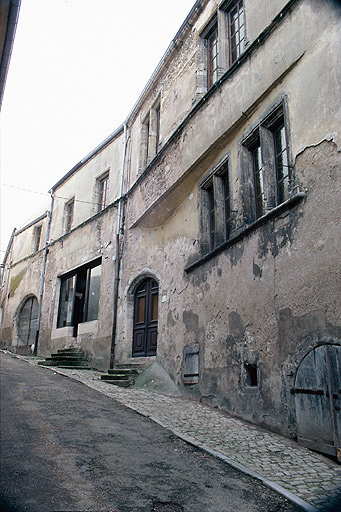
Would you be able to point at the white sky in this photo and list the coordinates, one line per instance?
(77, 69)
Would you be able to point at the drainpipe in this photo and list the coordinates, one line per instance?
(117, 255)
(49, 217)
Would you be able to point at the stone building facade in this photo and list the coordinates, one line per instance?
(203, 233)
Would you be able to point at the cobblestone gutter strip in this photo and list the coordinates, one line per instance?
(304, 477)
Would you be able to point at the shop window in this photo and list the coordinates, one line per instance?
(79, 296)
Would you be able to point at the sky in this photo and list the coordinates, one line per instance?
(77, 69)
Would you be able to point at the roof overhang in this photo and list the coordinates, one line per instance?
(9, 13)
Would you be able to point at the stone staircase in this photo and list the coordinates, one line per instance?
(124, 374)
(67, 358)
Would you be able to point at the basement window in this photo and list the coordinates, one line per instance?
(251, 374)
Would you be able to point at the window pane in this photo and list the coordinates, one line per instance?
(66, 302)
(236, 31)
(141, 306)
(211, 216)
(258, 181)
(155, 307)
(94, 288)
(282, 168)
(212, 58)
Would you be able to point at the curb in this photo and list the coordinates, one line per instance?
(307, 507)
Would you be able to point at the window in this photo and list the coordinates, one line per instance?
(150, 135)
(37, 236)
(79, 296)
(103, 183)
(212, 57)
(69, 207)
(251, 374)
(236, 31)
(221, 44)
(265, 164)
(215, 208)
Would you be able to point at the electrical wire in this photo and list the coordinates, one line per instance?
(46, 194)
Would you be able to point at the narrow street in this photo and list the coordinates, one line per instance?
(66, 447)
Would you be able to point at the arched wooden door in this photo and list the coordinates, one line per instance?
(146, 313)
(28, 323)
(318, 400)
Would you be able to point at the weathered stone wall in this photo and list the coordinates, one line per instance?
(274, 294)
(255, 306)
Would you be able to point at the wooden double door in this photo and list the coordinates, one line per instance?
(318, 400)
(146, 313)
(28, 323)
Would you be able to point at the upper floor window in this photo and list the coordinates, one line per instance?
(69, 208)
(265, 164)
(215, 208)
(236, 31)
(150, 135)
(36, 238)
(103, 183)
(212, 57)
(221, 44)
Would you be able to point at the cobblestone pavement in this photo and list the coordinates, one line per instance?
(301, 473)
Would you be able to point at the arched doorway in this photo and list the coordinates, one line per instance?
(318, 400)
(27, 325)
(146, 303)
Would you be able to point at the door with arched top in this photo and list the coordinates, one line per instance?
(146, 302)
(318, 400)
(27, 325)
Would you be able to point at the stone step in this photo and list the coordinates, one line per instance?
(71, 349)
(137, 366)
(120, 383)
(66, 357)
(124, 370)
(117, 376)
(62, 363)
(74, 367)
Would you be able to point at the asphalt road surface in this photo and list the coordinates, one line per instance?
(67, 448)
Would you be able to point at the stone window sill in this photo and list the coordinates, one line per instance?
(245, 230)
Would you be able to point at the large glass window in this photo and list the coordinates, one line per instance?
(79, 296)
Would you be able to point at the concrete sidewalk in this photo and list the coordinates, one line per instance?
(304, 477)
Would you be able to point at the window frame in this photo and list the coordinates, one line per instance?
(66, 308)
(102, 201)
(68, 215)
(266, 175)
(220, 27)
(229, 8)
(37, 237)
(215, 197)
(150, 134)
